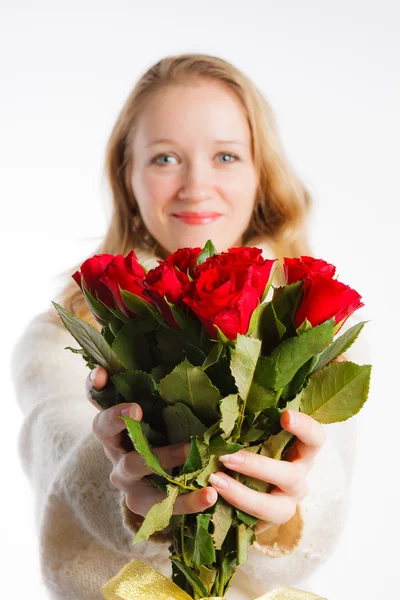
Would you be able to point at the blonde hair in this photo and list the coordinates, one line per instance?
(282, 203)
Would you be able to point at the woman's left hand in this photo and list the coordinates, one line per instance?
(288, 476)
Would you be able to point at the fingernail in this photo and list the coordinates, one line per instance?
(292, 417)
(131, 411)
(218, 480)
(233, 459)
(93, 373)
(210, 495)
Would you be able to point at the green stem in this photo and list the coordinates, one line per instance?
(182, 485)
(221, 584)
(278, 394)
(185, 560)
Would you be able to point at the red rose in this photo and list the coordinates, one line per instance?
(89, 276)
(127, 274)
(222, 297)
(184, 259)
(243, 257)
(325, 298)
(306, 266)
(166, 280)
(226, 290)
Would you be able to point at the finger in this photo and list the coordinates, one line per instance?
(132, 467)
(108, 425)
(287, 476)
(96, 379)
(277, 509)
(195, 502)
(341, 358)
(310, 434)
(143, 498)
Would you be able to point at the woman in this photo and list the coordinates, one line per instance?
(171, 189)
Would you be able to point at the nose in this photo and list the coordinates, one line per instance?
(197, 183)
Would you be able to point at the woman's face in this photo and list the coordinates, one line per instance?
(193, 175)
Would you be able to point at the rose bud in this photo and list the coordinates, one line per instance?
(324, 298)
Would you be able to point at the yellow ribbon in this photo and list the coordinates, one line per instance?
(138, 581)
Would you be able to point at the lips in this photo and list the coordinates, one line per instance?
(195, 218)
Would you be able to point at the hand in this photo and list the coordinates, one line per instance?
(129, 468)
(288, 476)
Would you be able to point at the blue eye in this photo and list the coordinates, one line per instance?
(155, 159)
(228, 154)
(162, 156)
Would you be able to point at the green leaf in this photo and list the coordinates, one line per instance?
(142, 446)
(204, 551)
(222, 521)
(213, 465)
(251, 435)
(170, 344)
(339, 346)
(253, 324)
(91, 340)
(198, 456)
(191, 576)
(221, 337)
(132, 348)
(207, 576)
(213, 355)
(158, 516)
(158, 482)
(259, 398)
(249, 520)
(219, 446)
(97, 307)
(305, 326)
(190, 328)
(244, 362)
(269, 328)
(291, 354)
(275, 445)
(140, 387)
(135, 385)
(286, 300)
(142, 308)
(266, 372)
(208, 250)
(194, 354)
(181, 423)
(336, 392)
(299, 380)
(190, 385)
(229, 407)
(245, 537)
(215, 428)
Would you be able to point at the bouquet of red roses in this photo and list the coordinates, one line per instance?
(210, 361)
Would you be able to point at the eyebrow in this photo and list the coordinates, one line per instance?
(169, 141)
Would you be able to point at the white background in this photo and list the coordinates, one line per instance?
(331, 73)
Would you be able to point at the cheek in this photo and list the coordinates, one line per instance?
(154, 192)
(241, 192)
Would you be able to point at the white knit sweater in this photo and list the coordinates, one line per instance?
(84, 526)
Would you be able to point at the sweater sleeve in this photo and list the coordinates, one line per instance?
(84, 528)
(282, 555)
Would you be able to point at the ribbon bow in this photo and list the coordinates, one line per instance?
(138, 581)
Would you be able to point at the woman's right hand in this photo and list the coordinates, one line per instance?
(129, 468)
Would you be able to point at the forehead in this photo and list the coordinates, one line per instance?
(205, 110)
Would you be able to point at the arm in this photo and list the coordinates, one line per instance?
(80, 516)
